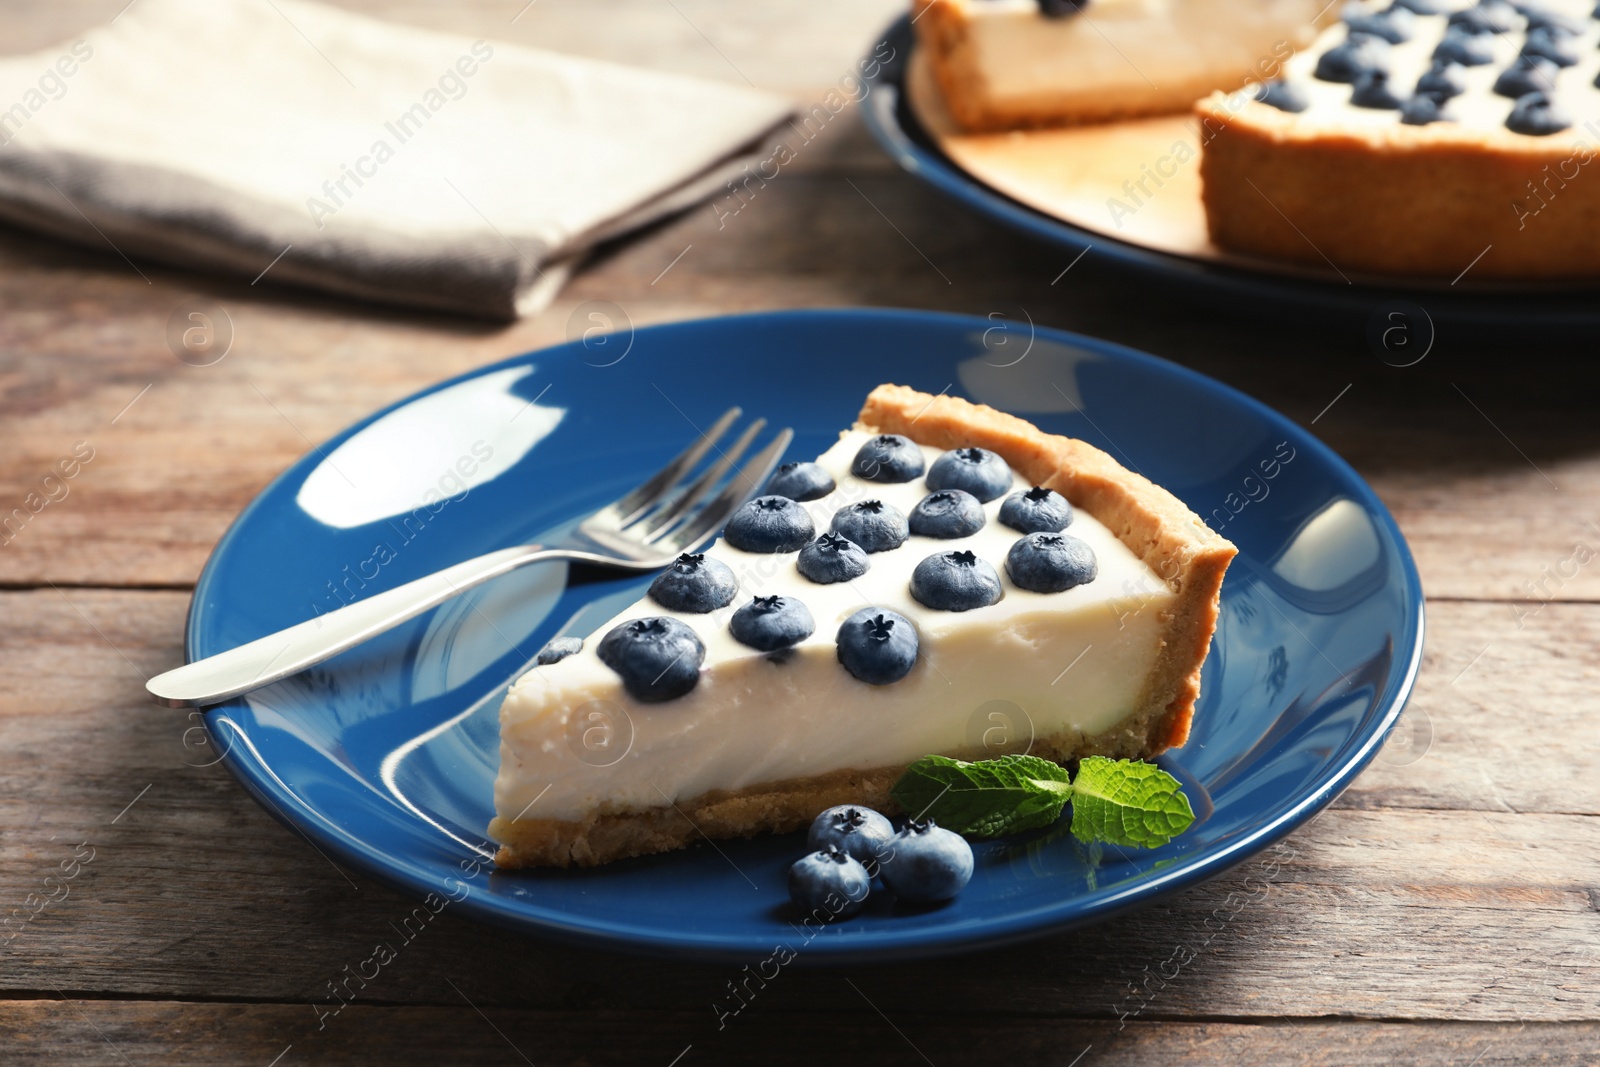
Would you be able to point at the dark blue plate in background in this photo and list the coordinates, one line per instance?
(384, 757)
(1466, 311)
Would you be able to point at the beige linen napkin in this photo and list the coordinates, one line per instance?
(352, 155)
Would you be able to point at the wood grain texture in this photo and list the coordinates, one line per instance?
(1445, 910)
(58, 1028)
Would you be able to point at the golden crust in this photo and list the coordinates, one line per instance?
(1412, 200)
(777, 807)
(1151, 522)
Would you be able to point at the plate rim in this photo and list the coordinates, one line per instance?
(881, 110)
(412, 880)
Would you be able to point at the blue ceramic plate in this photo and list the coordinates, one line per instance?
(1465, 310)
(384, 757)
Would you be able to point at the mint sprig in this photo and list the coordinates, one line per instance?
(1117, 802)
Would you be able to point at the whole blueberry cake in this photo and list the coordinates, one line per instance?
(1008, 64)
(862, 614)
(1421, 137)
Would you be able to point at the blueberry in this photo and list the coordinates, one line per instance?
(1529, 74)
(872, 524)
(829, 884)
(1537, 116)
(976, 470)
(1283, 95)
(1424, 108)
(559, 649)
(877, 646)
(831, 558)
(1372, 91)
(1423, 7)
(1562, 51)
(1036, 510)
(770, 524)
(1443, 80)
(800, 481)
(770, 623)
(1540, 18)
(1051, 563)
(860, 832)
(956, 581)
(1470, 50)
(1487, 17)
(695, 584)
(947, 514)
(888, 457)
(1348, 61)
(1394, 25)
(658, 658)
(925, 864)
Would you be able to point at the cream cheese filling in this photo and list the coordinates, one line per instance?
(1139, 49)
(1479, 108)
(573, 742)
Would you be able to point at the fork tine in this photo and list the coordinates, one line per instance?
(703, 486)
(635, 503)
(744, 486)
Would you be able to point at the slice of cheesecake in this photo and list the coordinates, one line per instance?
(1008, 64)
(945, 579)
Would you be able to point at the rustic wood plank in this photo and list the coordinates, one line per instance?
(1390, 906)
(50, 1030)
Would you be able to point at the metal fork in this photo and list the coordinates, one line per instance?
(646, 529)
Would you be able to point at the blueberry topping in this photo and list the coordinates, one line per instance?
(1537, 116)
(831, 558)
(769, 623)
(1443, 80)
(975, 470)
(860, 832)
(800, 481)
(926, 863)
(877, 646)
(770, 524)
(1037, 510)
(1423, 7)
(1372, 91)
(947, 514)
(829, 884)
(1488, 17)
(956, 581)
(1562, 51)
(1394, 25)
(872, 524)
(1540, 18)
(558, 649)
(1051, 563)
(1285, 96)
(1470, 50)
(1060, 9)
(695, 584)
(888, 457)
(1348, 61)
(1529, 74)
(658, 658)
(1424, 108)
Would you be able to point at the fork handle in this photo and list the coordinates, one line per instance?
(276, 656)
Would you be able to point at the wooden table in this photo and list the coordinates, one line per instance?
(1443, 911)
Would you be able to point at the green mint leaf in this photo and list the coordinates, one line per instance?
(1126, 802)
(988, 798)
